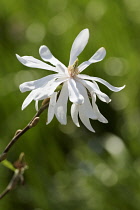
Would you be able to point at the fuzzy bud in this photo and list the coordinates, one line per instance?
(34, 122)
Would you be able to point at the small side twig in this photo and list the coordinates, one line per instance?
(20, 166)
(19, 132)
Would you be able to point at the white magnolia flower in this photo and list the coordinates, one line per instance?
(75, 86)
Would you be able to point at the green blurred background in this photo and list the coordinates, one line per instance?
(70, 167)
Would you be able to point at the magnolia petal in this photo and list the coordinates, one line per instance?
(74, 114)
(109, 86)
(48, 89)
(46, 55)
(62, 70)
(100, 117)
(34, 63)
(61, 105)
(74, 94)
(29, 98)
(51, 108)
(98, 56)
(93, 88)
(78, 45)
(102, 96)
(31, 85)
(86, 106)
(85, 119)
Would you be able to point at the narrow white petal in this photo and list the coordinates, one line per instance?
(100, 117)
(46, 55)
(93, 88)
(61, 105)
(74, 94)
(85, 119)
(94, 97)
(86, 106)
(98, 56)
(34, 63)
(102, 96)
(74, 114)
(78, 45)
(36, 105)
(48, 89)
(29, 98)
(51, 108)
(31, 85)
(62, 70)
(109, 86)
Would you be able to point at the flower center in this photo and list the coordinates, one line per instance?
(73, 69)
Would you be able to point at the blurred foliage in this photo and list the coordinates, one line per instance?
(70, 167)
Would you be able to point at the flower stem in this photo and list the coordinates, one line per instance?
(19, 133)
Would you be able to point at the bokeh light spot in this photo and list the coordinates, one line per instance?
(36, 32)
(24, 76)
(114, 145)
(58, 25)
(54, 6)
(133, 10)
(116, 66)
(120, 101)
(95, 10)
(106, 175)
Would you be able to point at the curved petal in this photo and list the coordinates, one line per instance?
(100, 117)
(51, 108)
(102, 96)
(74, 94)
(48, 89)
(109, 86)
(86, 111)
(74, 114)
(85, 119)
(31, 85)
(29, 98)
(46, 55)
(93, 88)
(34, 63)
(78, 45)
(86, 106)
(98, 56)
(61, 105)
(62, 70)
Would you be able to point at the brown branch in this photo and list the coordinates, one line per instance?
(12, 184)
(19, 133)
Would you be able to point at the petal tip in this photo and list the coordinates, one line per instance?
(42, 47)
(22, 108)
(103, 48)
(103, 51)
(121, 88)
(77, 124)
(18, 57)
(104, 121)
(86, 30)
